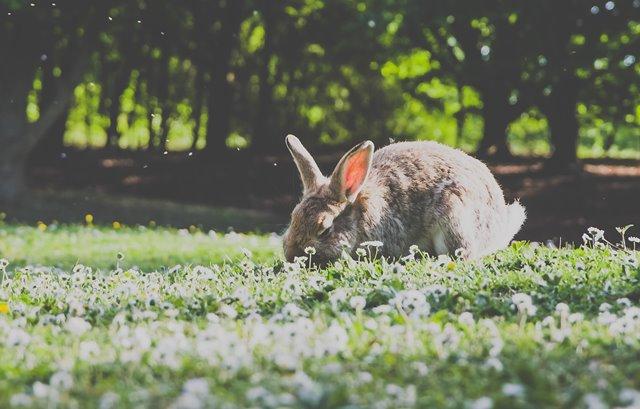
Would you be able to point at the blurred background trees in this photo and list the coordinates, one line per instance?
(495, 77)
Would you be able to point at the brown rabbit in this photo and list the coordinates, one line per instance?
(421, 193)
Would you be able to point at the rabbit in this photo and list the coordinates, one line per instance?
(407, 193)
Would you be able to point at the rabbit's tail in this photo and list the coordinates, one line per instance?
(507, 227)
(514, 218)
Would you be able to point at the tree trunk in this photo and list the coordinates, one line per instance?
(265, 138)
(13, 176)
(164, 99)
(564, 128)
(13, 153)
(218, 122)
(610, 139)
(220, 93)
(560, 109)
(52, 144)
(17, 136)
(496, 120)
(120, 85)
(197, 107)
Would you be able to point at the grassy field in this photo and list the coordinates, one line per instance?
(141, 317)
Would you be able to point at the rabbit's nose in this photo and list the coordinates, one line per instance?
(290, 253)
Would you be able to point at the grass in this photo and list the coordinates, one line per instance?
(143, 247)
(530, 327)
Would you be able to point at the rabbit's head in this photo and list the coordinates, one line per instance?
(327, 217)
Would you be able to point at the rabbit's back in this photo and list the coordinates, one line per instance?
(435, 196)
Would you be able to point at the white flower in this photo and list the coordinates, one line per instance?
(593, 401)
(576, 317)
(482, 403)
(624, 301)
(109, 400)
(77, 326)
(596, 233)
(61, 380)
(562, 308)
(412, 302)
(338, 296)
(630, 397)
(310, 251)
(524, 303)
(89, 350)
(382, 309)
(291, 310)
(632, 239)
(466, 318)
(21, 399)
(228, 311)
(357, 302)
(17, 337)
(513, 389)
(197, 386)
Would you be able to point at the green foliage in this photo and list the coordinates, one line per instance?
(343, 70)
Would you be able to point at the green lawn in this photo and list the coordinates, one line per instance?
(530, 327)
(143, 247)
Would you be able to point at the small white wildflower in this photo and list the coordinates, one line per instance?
(562, 308)
(630, 397)
(624, 301)
(61, 380)
(513, 389)
(338, 296)
(310, 251)
(196, 386)
(20, 399)
(596, 233)
(484, 402)
(77, 326)
(593, 401)
(576, 317)
(89, 350)
(291, 310)
(632, 239)
(466, 318)
(524, 303)
(357, 302)
(382, 309)
(109, 400)
(228, 311)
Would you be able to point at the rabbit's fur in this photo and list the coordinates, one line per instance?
(421, 193)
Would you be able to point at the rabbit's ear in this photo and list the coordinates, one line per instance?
(351, 172)
(309, 171)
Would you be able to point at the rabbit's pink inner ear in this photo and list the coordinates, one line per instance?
(355, 173)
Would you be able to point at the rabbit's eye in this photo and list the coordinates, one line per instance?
(324, 233)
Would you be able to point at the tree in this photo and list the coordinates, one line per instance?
(25, 33)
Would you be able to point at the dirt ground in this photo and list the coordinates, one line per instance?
(560, 207)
